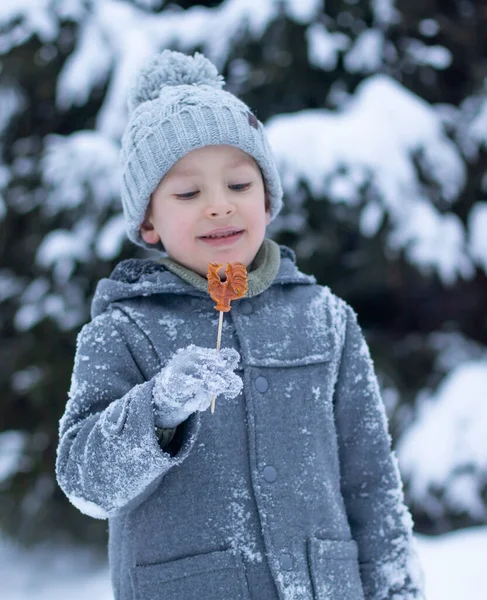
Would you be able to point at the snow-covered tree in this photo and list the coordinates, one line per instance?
(377, 112)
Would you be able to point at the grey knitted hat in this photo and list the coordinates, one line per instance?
(177, 105)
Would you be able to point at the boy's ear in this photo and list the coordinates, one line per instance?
(147, 231)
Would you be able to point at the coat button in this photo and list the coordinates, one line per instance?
(246, 307)
(286, 561)
(115, 413)
(261, 384)
(269, 473)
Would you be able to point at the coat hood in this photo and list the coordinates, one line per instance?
(145, 277)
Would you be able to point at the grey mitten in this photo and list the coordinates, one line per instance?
(190, 378)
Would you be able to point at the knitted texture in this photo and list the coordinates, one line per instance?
(176, 105)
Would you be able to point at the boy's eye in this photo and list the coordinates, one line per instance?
(239, 187)
(186, 195)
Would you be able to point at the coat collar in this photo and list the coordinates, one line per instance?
(145, 277)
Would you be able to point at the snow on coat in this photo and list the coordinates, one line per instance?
(287, 491)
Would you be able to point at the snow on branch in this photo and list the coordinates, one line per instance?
(443, 455)
(116, 38)
(11, 103)
(375, 140)
(12, 445)
(20, 20)
(477, 225)
(79, 165)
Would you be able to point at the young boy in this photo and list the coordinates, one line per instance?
(289, 490)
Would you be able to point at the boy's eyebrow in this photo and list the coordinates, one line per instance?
(241, 161)
(180, 171)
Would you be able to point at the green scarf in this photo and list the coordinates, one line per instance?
(261, 272)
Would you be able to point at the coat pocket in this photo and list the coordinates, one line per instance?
(334, 569)
(212, 576)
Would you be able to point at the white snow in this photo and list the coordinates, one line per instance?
(24, 380)
(125, 36)
(372, 141)
(477, 226)
(31, 17)
(88, 508)
(445, 450)
(67, 309)
(12, 445)
(51, 572)
(440, 240)
(81, 168)
(436, 56)
(10, 285)
(111, 237)
(385, 11)
(477, 124)
(93, 70)
(61, 249)
(454, 566)
(241, 534)
(190, 378)
(303, 11)
(73, 165)
(11, 102)
(324, 47)
(366, 55)
(429, 27)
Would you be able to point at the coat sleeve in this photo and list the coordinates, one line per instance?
(371, 484)
(109, 457)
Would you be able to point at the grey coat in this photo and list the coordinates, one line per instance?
(289, 491)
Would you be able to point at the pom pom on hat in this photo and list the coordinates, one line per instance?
(172, 69)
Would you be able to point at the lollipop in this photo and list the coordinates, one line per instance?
(223, 292)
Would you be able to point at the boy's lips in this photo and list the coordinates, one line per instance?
(222, 237)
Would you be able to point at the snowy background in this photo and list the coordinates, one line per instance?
(454, 566)
(377, 113)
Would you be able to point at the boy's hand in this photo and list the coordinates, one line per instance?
(189, 379)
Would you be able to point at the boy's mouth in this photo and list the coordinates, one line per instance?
(223, 237)
(222, 234)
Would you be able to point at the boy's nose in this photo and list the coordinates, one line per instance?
(219, 212)
(219, 206)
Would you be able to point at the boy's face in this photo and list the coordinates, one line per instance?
(209, 207)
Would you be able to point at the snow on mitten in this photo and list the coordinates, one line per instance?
(192, 375)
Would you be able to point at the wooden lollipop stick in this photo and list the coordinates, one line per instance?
(235, 286)
(218, 344)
